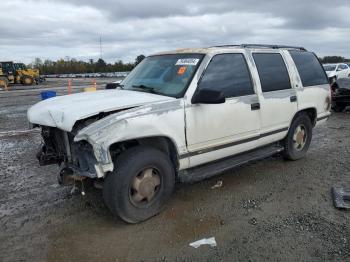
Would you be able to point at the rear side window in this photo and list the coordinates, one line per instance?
(309, 68)
(229, 74)
(272, 71)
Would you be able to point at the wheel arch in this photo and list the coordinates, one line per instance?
(162, 143)
(311, 112)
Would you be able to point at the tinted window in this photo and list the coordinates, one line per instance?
(229, 74)
(342, 67)
(272, 72)
(309, 68)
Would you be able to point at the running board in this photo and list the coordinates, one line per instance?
(201, 172)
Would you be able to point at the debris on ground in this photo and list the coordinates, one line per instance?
(253, 221)
(205, 241)
(217, 185)
(341, 198)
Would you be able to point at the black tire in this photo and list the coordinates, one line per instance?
(292, 151)
(27, 80)
(4, 80)
(338, 108)
(118, 185)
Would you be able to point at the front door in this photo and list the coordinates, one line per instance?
(215, 131)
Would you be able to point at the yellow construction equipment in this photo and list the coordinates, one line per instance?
(17, 73)
(3, 80)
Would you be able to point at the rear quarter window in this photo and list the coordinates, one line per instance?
(309, 68)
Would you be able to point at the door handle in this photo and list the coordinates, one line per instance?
(293, 99)
(255, 106)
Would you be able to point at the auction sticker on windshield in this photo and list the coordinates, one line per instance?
(187, 61)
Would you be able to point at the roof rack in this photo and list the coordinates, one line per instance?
(265, 46)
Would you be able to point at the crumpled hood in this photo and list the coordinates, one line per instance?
(64, 111)
(330, 73)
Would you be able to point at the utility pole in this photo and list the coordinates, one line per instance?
(100, 47)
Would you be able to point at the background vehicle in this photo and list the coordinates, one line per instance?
(341, 94)
(17, 73)
(184, 115)
(336, 71)
(113, 85)
(3, 79)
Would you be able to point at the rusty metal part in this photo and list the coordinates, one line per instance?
(145, 185)
(67, 177)
(299, 137)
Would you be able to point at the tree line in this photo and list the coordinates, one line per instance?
(74, 66)
(334, 59)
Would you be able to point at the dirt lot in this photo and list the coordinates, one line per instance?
(271, 210)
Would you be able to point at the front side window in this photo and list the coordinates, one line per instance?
(272, 71)
(167, 75)
(309, 68)
(229, 74)
(342, 67)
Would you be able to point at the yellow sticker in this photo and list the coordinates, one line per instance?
(181, 70)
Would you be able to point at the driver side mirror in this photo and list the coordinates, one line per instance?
(208, 96)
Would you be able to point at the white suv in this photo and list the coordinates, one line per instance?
(336, 71)
(184, 115)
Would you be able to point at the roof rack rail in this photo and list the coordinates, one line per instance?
(226, 46)
(264, 46)
(273, 46)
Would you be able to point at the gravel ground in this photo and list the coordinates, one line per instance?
(270, 210)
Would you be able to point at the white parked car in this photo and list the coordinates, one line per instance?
(336, 71)
(184, 115)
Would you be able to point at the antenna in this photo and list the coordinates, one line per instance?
(100, 47)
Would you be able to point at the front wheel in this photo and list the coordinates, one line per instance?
(142, 181)
(27, 80)
(298, 138)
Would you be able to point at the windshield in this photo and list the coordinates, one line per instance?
(329, 67)
(19, 66)
(167, 75)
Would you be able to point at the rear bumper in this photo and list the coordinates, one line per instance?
(341, 99)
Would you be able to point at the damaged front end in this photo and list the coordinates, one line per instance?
(75, 159)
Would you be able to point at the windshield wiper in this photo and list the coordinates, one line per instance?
(145, 88)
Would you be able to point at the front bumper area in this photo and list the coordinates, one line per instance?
(74, 158)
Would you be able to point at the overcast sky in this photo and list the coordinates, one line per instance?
(52, 29)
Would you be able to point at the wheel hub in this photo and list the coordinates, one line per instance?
(299, 137)
(145, 185)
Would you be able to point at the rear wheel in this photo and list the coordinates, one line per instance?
(298, 138)
(142, 181)
(4, 82)
(338, 107)
(27, 80)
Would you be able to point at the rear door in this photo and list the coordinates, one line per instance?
(278, 99)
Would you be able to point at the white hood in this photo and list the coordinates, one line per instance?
(330, 73)
(64, 111)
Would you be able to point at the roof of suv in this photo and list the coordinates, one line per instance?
(206, 50)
